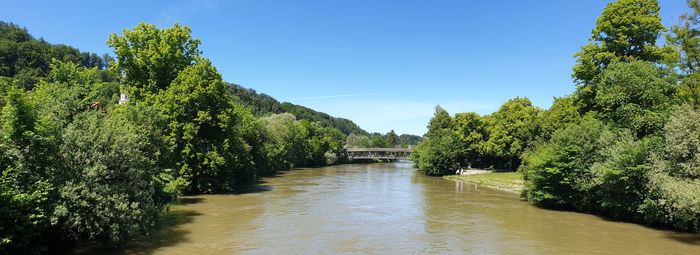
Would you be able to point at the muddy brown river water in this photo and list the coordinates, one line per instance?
(389, 209)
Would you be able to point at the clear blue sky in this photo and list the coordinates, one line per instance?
(383, 64)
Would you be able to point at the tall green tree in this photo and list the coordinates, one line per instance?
(626, 31)
(562, 113)
(27, 60)
(511, 129)
(298, 143)
(441, 120)
(280, 148)
(392, 140)
(377, 140)
(439, 154)
(675, 179)
(470, 129)
(151, 58)
(637, 95)
(407, 140)
(685, 37)
(357, 141)
(29, 170)
(112, 161)
(202, 130)
(621, 178)
(557, 172)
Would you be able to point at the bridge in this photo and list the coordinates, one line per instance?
(379, 153)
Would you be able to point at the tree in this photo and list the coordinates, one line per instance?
(202, 130)
(280, 148)
(325, 143)
(438, 154)
(112, 160)
(28, 177)
(407, 140)
(356, 141)
(622, 176)
(267, 150)
(151, 58)
(562, 113)
(263, 104)
(675, 179)
(626, 31)
(557, 172)
(685, 37)
(376, 140)
(298, 143)
(27, 60)
(66, 92)
(441, 120)
(470, 129)
(511, 129)
(392, 140)
(5, 84)
(635, 95)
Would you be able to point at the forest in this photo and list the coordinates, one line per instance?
(263, 104)
(80, 165)
(625, 144)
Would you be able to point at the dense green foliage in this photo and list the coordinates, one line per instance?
(556, 172)
(111, 160)
(28, 59)
(625, 144)
(675, 178)
(377, 140)
(628, 170)
(684, 37)
(626, 31)
(408, 140)
(26, 188)
(438, 155)
(635, 95)
(77, 174)
(562, 113)
(392, 139)
(492, 141)
(77, 166)
(263, 104)
(202, 130)
(151, 58)
(510, 130)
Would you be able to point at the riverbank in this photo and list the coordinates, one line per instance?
(511, 182)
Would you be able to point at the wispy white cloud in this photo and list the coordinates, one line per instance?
(183, 10)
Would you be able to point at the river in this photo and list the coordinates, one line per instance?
(389, 209)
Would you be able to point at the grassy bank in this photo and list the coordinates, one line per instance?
(512, 182)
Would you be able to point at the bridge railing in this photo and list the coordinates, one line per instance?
(379, 153)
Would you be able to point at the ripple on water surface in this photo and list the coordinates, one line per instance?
(389, 209)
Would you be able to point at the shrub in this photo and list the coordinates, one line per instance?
(557, 172)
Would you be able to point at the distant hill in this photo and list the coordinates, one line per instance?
(26, 58)
(263, 104)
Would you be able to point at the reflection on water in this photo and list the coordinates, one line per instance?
(389, 209)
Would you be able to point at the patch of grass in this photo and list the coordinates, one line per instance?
(512, 182)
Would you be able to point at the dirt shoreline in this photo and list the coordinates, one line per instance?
(510, 182)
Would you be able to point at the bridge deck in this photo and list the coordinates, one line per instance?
(379, 153)
(380, 150)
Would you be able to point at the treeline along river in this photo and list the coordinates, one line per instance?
(388, 209)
